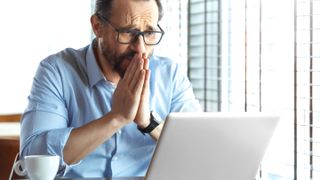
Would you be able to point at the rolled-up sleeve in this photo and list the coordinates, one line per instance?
(44, 123)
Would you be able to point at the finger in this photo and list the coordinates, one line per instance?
(140, 83)
(144, 55)
(135, 60)
(146, 61)
(136, 75)
(131, 68)
(145, 90)
(148, 74)
(146, 64)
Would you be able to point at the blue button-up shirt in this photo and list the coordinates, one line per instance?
(69, 90)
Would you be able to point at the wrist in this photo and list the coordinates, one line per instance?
(154, 121)
(143, 124)
(116, 120)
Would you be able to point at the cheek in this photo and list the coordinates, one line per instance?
(149, 51)
(110, 41)
(120, 48)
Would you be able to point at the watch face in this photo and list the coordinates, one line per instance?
(156, 117)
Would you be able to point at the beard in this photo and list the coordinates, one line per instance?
(119, 62)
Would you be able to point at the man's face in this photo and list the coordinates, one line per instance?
(128, 14)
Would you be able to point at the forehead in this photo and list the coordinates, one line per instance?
(135, 12)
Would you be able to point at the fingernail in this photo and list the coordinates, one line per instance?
(144, 55)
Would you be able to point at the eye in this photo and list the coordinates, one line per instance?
(132, 32)
(149, 33)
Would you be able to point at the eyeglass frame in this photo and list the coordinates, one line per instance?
(136, 33)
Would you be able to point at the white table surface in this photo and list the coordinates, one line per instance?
(9, 128)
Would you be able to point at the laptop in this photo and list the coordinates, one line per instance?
(211, 146)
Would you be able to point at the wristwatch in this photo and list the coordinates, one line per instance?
(154, 122)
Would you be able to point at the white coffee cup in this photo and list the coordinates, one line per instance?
(38, 167)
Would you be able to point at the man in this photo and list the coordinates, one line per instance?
(92, 106)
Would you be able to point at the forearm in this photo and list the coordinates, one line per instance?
(87, 138)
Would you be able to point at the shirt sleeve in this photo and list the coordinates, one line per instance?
(44, 125)
(183, 99)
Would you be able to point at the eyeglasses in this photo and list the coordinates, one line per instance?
(128, 36)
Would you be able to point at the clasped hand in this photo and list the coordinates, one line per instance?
(130, 101)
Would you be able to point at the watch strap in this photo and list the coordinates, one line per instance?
(153, 124)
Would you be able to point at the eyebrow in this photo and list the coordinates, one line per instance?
(149, 28)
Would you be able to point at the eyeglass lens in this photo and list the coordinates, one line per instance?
(149, 37)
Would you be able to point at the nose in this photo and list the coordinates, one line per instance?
(138, 45)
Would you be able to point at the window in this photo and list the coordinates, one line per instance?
(306, 89)
(30, 31)
(204, 52)
(269, 60)
(174, 23)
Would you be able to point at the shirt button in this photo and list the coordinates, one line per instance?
(119, 132)
(115, 158)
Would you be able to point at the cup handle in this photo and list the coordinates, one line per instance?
(19, 168)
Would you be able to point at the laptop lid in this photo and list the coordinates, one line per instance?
(205, 146)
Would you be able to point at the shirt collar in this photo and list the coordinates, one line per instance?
(94, 73)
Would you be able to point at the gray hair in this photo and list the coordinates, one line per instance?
(104, 8)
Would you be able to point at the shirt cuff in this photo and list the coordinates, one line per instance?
(57, 141)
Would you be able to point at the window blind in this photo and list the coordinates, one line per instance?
(204, 52)
(283, 78)
(306, 91)
(274, 53)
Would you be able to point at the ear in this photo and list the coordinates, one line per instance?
(96, 26)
